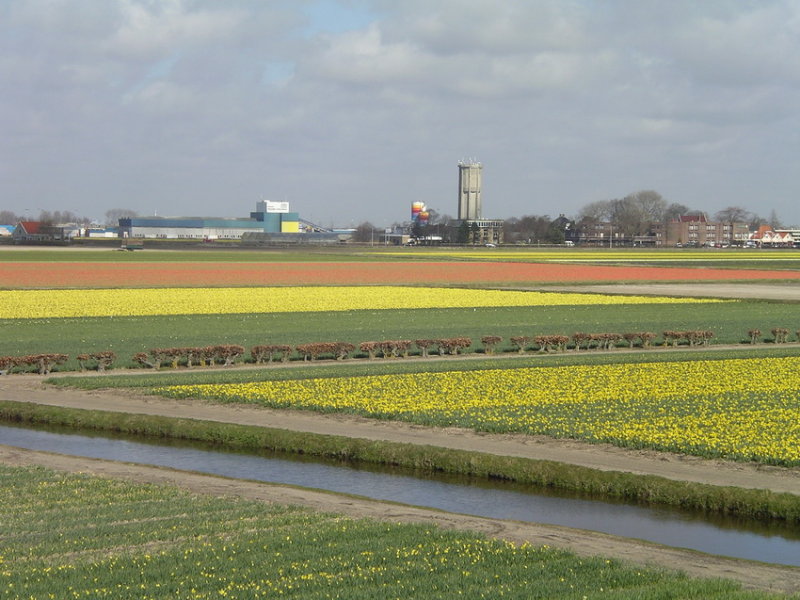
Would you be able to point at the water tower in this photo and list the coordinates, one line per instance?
(469, 190)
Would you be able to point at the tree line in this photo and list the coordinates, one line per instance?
(630, 216)
(65, 217)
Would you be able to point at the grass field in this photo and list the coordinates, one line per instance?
(75, 536)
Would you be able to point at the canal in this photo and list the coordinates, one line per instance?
(672, 527)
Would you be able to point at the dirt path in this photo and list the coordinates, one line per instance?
(748, 290)
(751, 574)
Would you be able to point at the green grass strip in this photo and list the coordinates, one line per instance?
(760, 505)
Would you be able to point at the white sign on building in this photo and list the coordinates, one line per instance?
(277, 207)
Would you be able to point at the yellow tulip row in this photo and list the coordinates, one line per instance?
(745, 409)
(39, 304)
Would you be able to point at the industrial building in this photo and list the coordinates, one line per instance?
(268, 218)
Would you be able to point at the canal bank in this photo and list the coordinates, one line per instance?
(585, 543)
(603, 457)
(30, 389)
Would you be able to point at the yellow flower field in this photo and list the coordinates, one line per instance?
(597, 255)
(38, 304)
(744, 409)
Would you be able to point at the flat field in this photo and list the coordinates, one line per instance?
(40, 327)
(490, 267)
(114, 539)
(742, 409)
(127, 320)
(629, 391)
(129, 335)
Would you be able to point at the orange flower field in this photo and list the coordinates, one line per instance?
(30, 275)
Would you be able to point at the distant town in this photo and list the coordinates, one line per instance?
(640, 219)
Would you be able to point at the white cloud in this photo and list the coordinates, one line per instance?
(364, 57)
(152, 29)
(162, 97)
(187, 102)
(757, 46)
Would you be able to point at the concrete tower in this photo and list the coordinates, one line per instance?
(469, 191)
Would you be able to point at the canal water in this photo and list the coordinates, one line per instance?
(671, 527)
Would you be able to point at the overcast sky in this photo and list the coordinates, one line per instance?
(352, 110)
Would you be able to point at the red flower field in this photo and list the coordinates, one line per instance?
(104, 275)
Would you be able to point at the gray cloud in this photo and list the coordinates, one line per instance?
(351, 110)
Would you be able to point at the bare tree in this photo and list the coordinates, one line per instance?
(365, 232)
(651, 204)
(529, 229)
(674, 211)
(634, 214)
(62, 217)
(731, 216)
(774, 220)
(7, 217)
(596, 212)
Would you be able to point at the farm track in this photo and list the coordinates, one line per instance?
(756, 291)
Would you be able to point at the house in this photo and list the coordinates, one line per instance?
(766, 236)
(39, 232)
(697, 230)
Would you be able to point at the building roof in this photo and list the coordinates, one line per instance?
(30, 227)
(701, 218)
(763, 231)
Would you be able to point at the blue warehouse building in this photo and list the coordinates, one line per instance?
(268, 218)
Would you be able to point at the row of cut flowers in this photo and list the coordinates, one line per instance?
(40, 304)
(746, 409)
(229, 354)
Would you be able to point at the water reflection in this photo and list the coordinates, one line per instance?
(488, 499)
